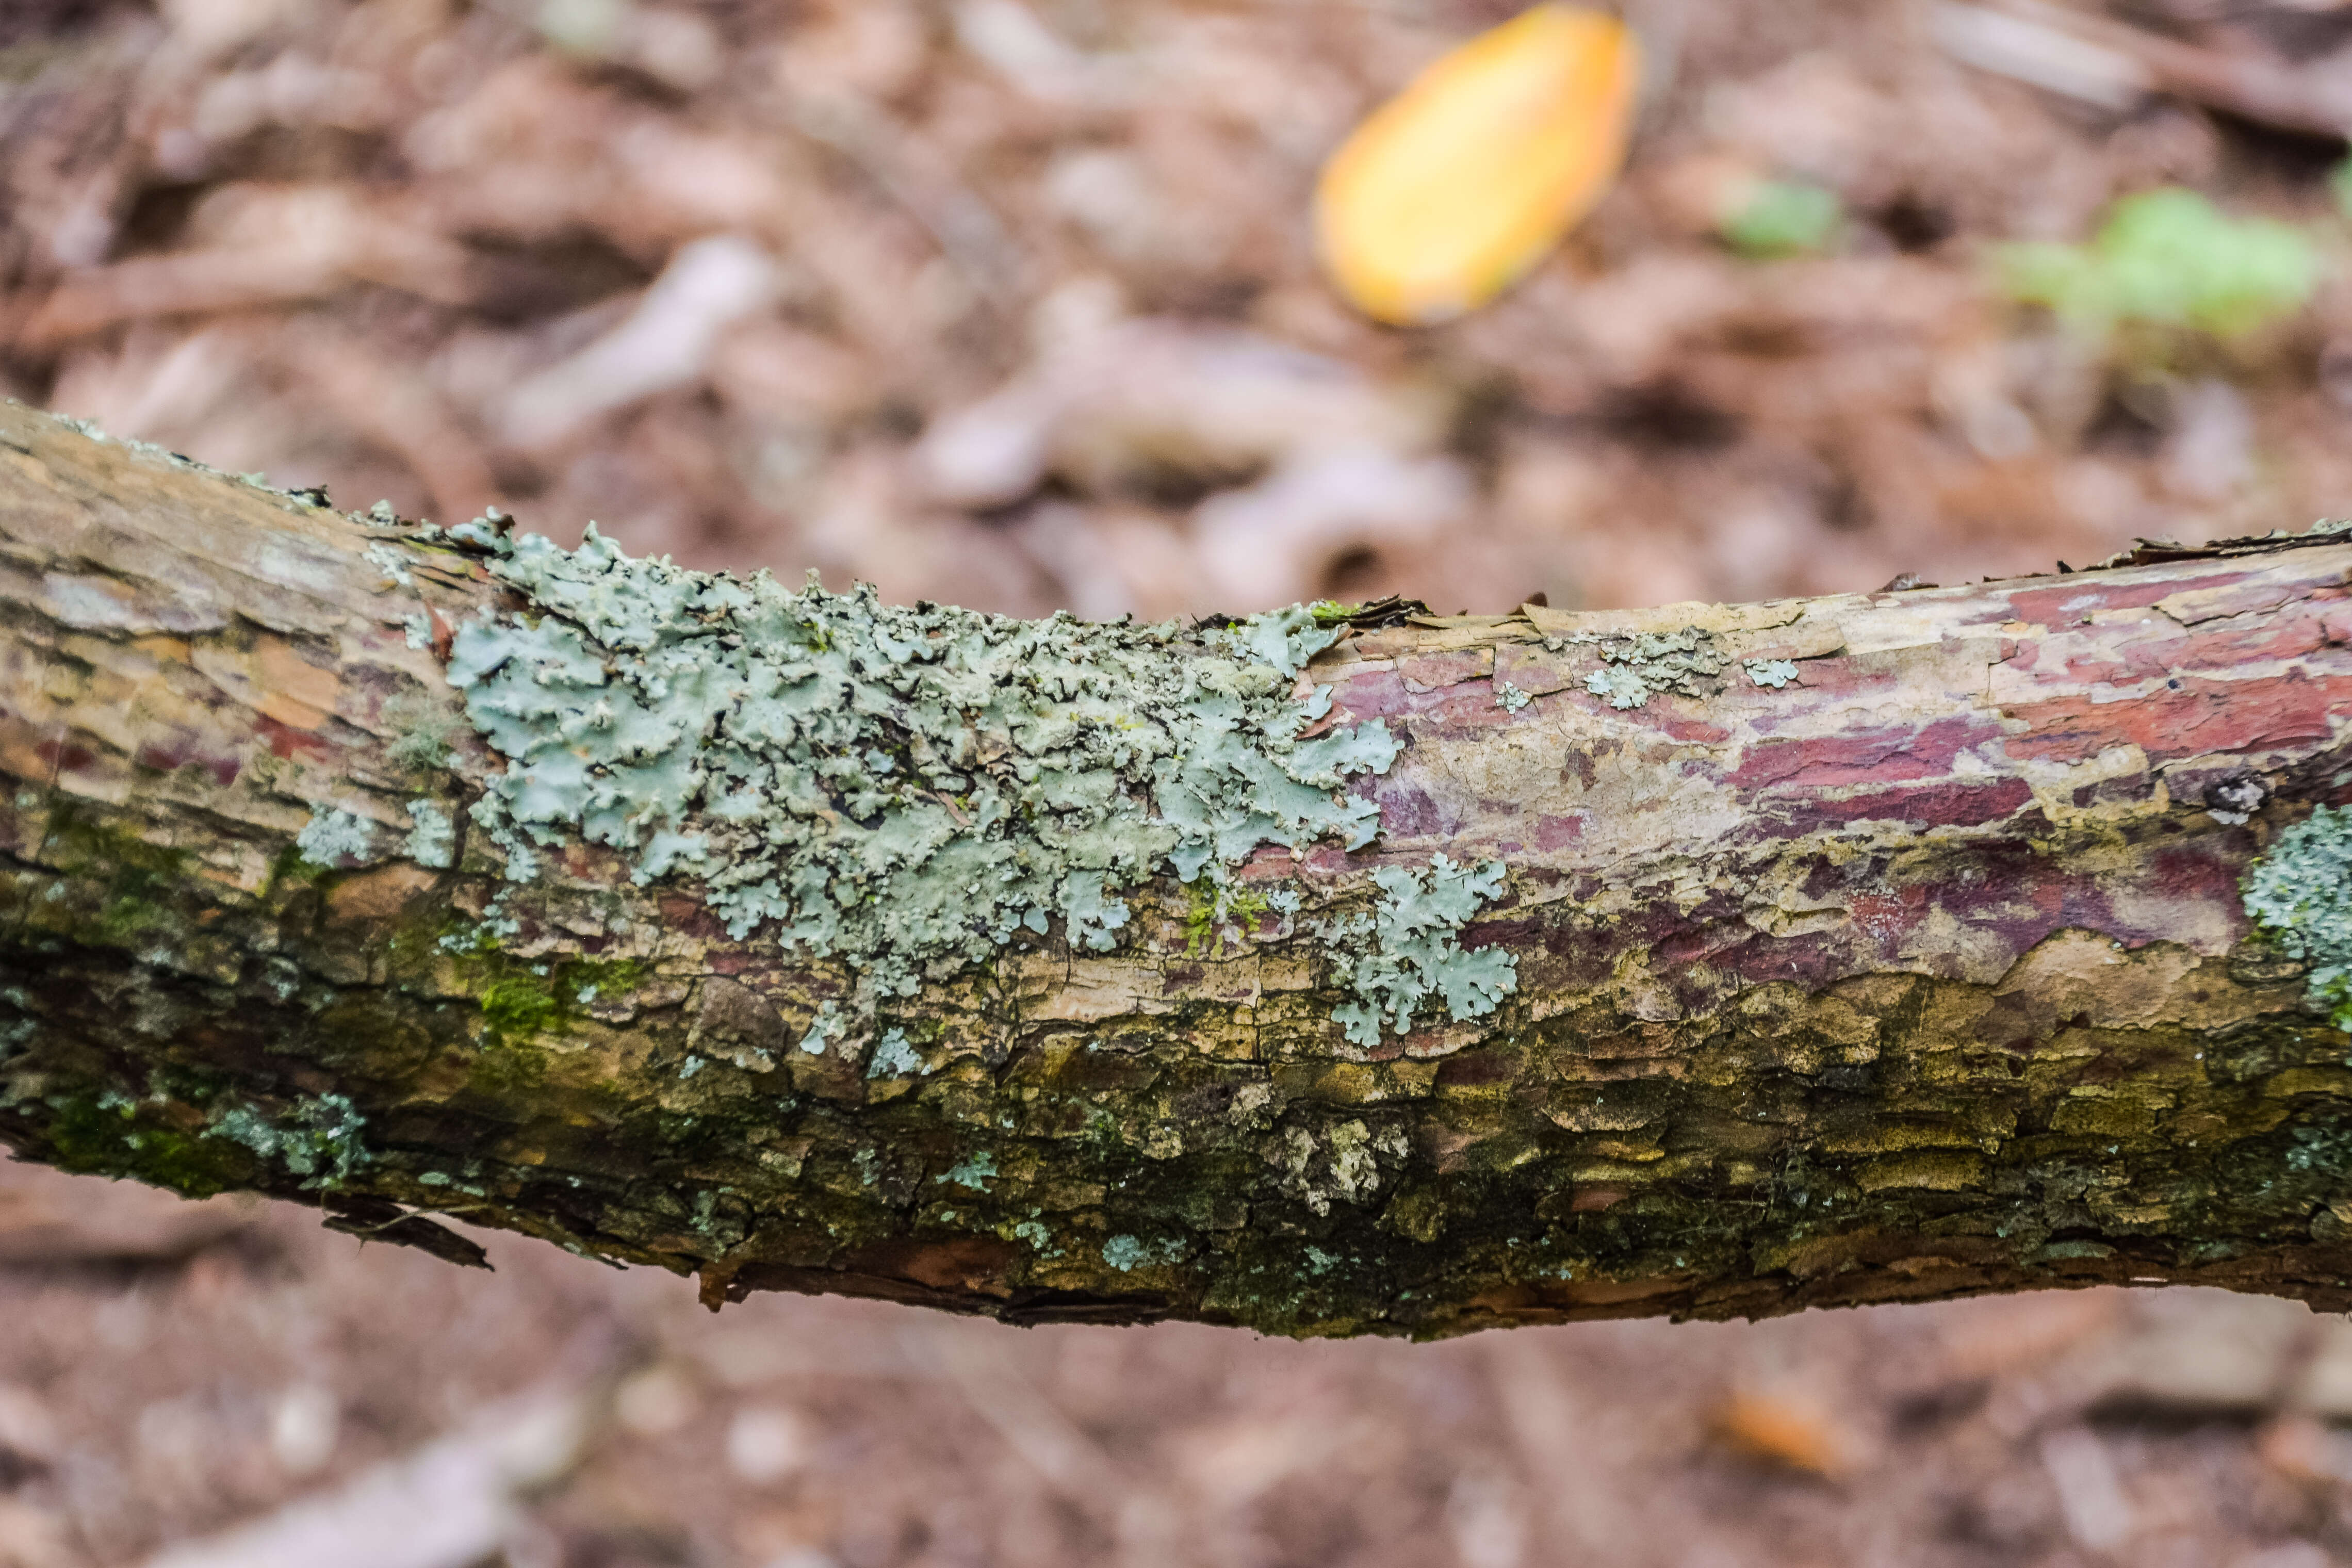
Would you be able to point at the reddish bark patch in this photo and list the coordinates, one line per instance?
(1951, 804)
(181, 750)
(1864, 756)
(1429, 671)
(1516, 934)
(65, 756)
(2075, 600)
(1811, 958)
(285, 740)
(1408, 811)
(1381, 695)
(970, 1265)
(2198, 716)
(1558, 832)
(690, 917)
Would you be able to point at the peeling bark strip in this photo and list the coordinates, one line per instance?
(1874, 947)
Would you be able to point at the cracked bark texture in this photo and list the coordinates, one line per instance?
(1921, 975)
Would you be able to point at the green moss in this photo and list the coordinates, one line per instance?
(1216, 905)
(134, 874)
(2300, 894)
(516, 1006)
(108, 1137)
(118, 890)
(291, 867)
(521, 998)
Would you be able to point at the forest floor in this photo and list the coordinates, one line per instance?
(1011, 303)
(175, 1373)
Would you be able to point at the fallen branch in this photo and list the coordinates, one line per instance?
(1709, 961)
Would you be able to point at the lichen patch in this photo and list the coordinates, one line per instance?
(903, 788)
(1636, 665)
(2301, 894)
(1416, 952)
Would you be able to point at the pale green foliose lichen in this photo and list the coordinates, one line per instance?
(894, 1058)
(903, 787)
(822, 1028)
(1623, 688)
(388, 560)
(1125, 1253)
(432, 838)
(1510, 698)
(332, 837)
(1418, 953)
(1775, 673)
(318, 1138)
(2301, 894)
(1640, 664)
(975, 1172)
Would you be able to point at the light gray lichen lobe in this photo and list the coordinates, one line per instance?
(904, 787)
(1637, 665)
(1418, 954)
(894, 1058)
(318, 1138)
(975, 1172)
(2301, 894)
(394, 564)
(1775, 673)
(334, 837)
(822, 1028)
(1127, 1253)
(432, 838)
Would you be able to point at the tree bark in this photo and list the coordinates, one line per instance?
(1875, 947)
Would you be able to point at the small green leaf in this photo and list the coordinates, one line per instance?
(1782, 218)
(2170, 258)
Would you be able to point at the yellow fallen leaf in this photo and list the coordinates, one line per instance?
(1462, 181)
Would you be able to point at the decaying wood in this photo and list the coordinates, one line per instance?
(1921, 972)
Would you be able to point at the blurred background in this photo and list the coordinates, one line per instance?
(212, 1385)
(1013, 304)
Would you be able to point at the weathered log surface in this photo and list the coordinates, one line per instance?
(1867, 948)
